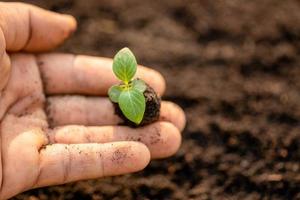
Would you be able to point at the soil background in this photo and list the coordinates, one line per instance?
(234, 67)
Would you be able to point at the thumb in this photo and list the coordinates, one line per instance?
(24, 27)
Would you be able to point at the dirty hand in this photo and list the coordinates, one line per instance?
(56, 123)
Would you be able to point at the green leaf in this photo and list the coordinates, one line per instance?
(114, 93)
(124, 65)
(133, 105)
(139, 85)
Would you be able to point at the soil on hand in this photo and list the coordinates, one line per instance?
(234, 68)
(151, 112)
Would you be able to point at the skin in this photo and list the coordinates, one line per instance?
(56, 122)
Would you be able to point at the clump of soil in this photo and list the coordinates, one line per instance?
(152, 109)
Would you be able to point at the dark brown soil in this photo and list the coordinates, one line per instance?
(234, 67)
(152, 110)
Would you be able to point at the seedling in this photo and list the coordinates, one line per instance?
(129, 93)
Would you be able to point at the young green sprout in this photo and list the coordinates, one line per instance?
(129, 94)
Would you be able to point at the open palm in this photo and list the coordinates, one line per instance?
(56, 123)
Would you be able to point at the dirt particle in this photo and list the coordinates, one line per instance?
(155, 135)
(119, 156)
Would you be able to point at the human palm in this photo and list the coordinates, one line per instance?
(56, 123)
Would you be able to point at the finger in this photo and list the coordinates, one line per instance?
(65, 73)
(5, 67)
(27, 27)
(162, 138)
(61, 163)
(171, 112)
(96, 111)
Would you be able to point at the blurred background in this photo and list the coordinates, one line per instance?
(234, 68)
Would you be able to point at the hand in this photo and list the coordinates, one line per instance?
(56, 125)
